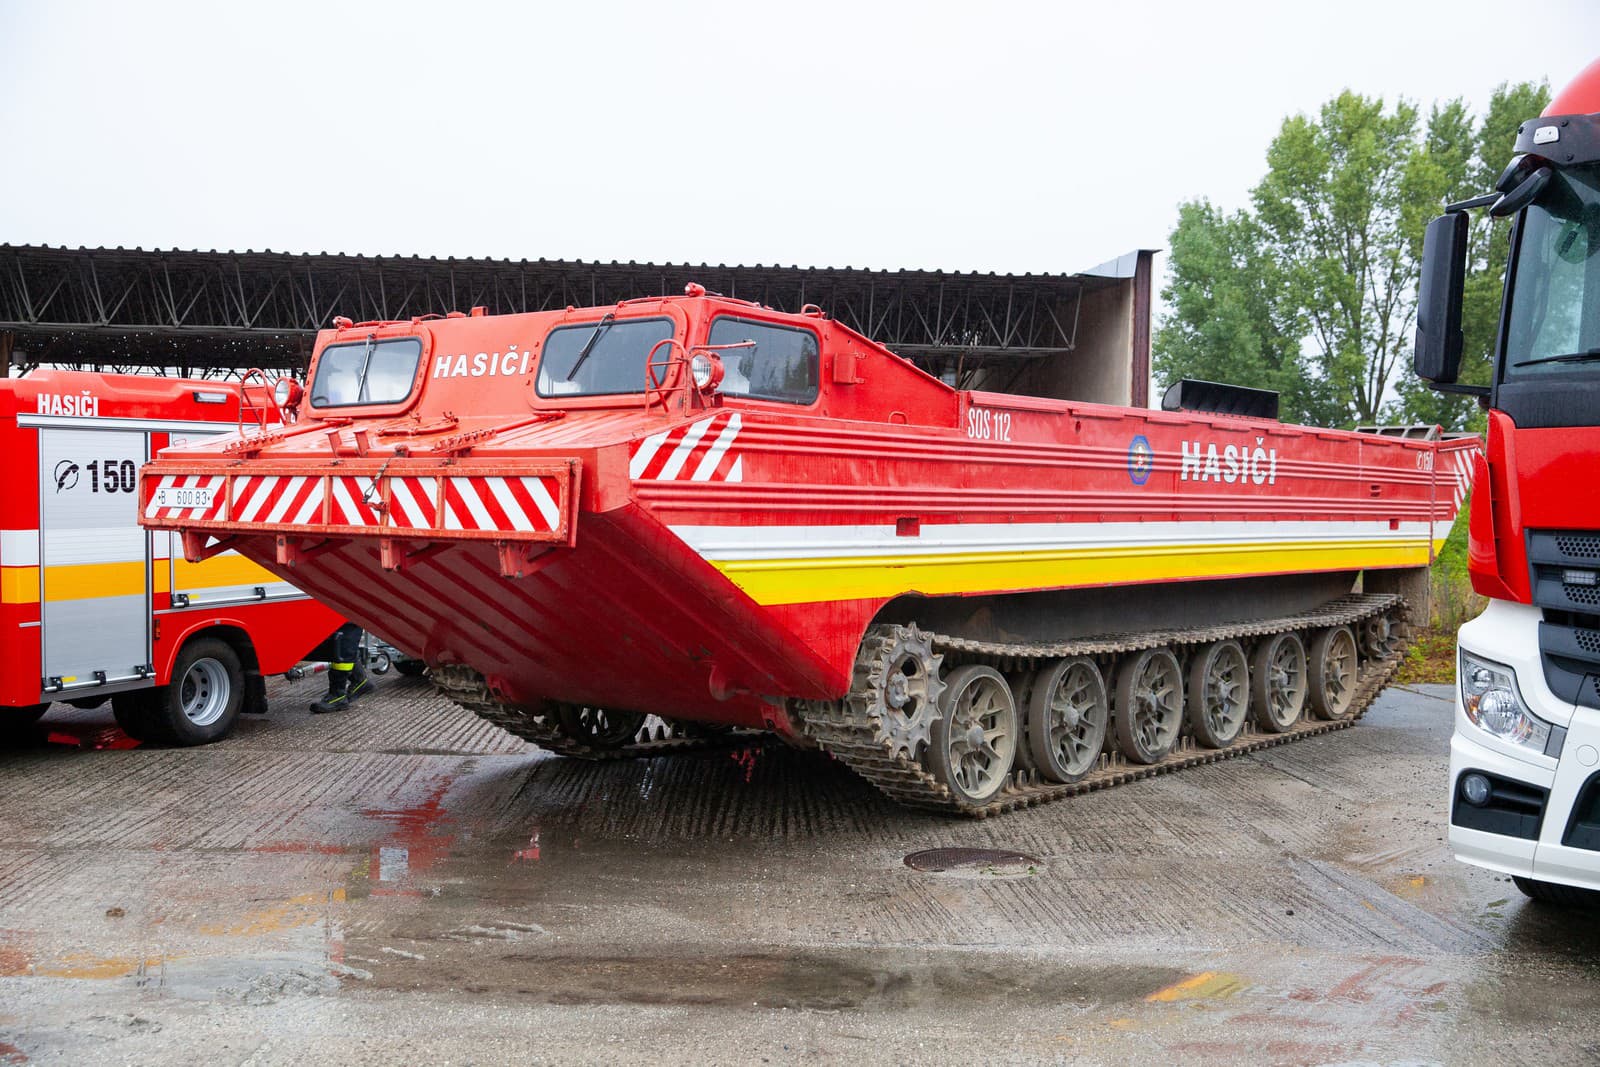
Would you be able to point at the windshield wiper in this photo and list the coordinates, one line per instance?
(366, 361)
(1588, 355)
(588, 346)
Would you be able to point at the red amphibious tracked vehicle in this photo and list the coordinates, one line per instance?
(726, 516)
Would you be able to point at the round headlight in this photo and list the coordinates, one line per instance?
(1475, 788)
(706, 369)
(1479, 680)
(1499, 714)
(286, 392)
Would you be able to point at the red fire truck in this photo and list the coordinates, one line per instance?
(93, 607)
(1525, 756)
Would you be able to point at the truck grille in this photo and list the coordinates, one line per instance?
(1569, 638)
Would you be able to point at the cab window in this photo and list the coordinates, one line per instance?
(780, 365)
(366, 372)
(602, 358)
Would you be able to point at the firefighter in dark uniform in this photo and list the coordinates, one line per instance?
(347, 676)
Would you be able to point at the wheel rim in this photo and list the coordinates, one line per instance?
(979, 736)
(1077, 718)
(1286, 681)
(1338, 679)
(600, 727)
(1157, 704)
(908, 700)
(1377, 636)
(1225, 694)
(204, 692)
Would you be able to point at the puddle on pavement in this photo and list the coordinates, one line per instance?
(975, 862)
(796, 981)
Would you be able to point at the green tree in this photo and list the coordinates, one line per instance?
(1488, 244)
(1223, 321)
(1313, 292)
(1333, 207)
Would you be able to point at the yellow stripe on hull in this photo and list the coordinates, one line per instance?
(807, 581)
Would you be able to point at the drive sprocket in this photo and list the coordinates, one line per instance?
(896, 686)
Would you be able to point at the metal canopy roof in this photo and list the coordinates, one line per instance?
(217, 313)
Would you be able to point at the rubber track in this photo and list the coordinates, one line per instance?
(853, 738)
(467, 687)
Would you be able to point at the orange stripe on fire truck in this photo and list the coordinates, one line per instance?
(699, 452)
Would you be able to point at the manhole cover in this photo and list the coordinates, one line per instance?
(991, 861)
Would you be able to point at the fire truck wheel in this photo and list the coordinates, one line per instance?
(1149, 705)
(17, 718)
(1278, 682)
(973, 740)
(202, 702)
(411, 668)
(135, 714)
(1567, 896)
(1333, 672)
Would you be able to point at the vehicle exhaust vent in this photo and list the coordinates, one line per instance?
(1214, 398)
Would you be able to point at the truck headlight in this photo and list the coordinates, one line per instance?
(1492, 703)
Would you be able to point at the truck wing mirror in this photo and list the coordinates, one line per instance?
(1444, 266)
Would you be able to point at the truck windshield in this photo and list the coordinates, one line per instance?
(601, 358)
(1554, 324)
(366, 372)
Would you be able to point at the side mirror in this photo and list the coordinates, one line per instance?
(1444, 269)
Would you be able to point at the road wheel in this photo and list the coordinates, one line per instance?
(1219, 693)
(411, 668)
(1068, 715)
(1333, 673)
(1149, 705)
(599, 727)
(1378, 636)
(974, 738)
(201, 703)
(135, 714)
(1278, 682)
(1567, 896)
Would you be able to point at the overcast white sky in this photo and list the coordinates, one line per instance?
(965, 136)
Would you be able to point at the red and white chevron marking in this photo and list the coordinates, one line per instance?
(293, 500)
(1461, 470)
(699, 452)
(492, 503)
(202, 488)
(413, 502)
(354, 501)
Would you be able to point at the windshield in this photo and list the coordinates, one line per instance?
(1554, 324)
(366, 372)
(601, 358)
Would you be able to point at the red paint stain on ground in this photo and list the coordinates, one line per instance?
(10, 1053)
(96, 739)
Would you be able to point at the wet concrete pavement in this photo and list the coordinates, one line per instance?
(405, 883)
